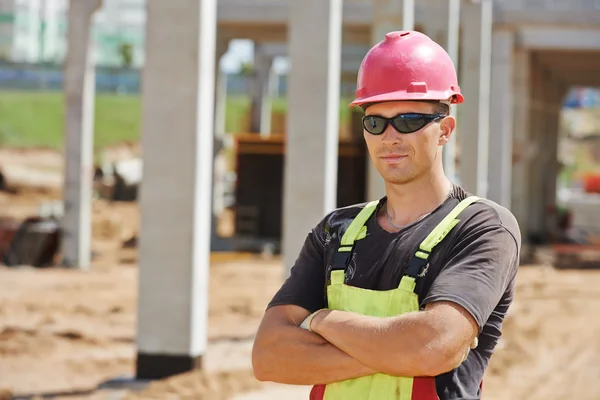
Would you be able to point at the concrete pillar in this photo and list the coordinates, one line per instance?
(475, 86)
(175, 196)
(543, 169)
(217, 243)
(534, 227)
(551, 165)
(222, 45)
(310, 178)
(7, 31)
(452, 37)
(388, 16)
(408, 14)
(79, 92)
(521, 136)
(260, 118)
(501, 119)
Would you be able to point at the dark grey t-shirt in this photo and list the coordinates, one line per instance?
(474, 266)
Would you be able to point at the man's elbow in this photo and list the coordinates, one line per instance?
(439, 361)
(425, 362)
(261, 374)
(260, 364)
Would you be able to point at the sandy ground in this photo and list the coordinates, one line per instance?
(69, 331)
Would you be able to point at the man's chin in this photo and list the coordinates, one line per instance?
(398, 180)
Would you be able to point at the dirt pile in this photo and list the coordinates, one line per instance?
(199, 386)
(550, 347)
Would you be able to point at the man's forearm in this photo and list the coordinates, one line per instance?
(295, 356)
(401, 346)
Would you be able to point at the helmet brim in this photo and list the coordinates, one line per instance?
(453, 97)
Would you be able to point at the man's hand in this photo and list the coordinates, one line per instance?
(285, 353)
(424, 343)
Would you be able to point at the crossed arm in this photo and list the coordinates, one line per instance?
(346, 345)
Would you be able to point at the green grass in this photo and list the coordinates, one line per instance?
(36, 119)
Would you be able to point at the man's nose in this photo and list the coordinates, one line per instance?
(390, 135)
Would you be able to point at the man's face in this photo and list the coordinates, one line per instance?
(401, 158)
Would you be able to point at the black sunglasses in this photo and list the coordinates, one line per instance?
(403, 123)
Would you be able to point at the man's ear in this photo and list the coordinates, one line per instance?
(447, 126)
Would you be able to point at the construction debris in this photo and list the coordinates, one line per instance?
(35, 242)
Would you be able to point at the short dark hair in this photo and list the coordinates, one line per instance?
(439, 107)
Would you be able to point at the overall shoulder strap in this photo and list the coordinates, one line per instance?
(420, 260)
(343, 255)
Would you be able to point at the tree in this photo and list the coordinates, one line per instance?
(126, 54)
(246, 69)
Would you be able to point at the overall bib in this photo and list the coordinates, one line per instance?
(382, 304)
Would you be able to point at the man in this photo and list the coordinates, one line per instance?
(404, 297)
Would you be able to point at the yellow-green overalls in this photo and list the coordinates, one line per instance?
(382, 304)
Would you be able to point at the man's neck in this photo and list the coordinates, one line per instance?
(407, 202)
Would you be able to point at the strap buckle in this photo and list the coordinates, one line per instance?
(341, 259)
(418, 266)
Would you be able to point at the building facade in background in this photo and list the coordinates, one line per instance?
(35, 31)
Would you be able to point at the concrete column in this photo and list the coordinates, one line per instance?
(217, 243)
(535, 211)
(388, 16)
(175, 196)
(521, 141)
(551, 166)
(260, 118)
(453, 33)
(501, 119)
(544, 168)
(408, 14)
(310, 178)
(475, 86)
(7, 31)
(79, 91)
(222, 46)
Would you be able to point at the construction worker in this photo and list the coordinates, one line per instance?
(402, 297)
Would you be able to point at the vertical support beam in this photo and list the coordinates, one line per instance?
(534, 228)
(522, 121)
(79, 92)
(449, 154)
(217, 243)
(501, 119)
(543, 170)
(551, 167)
(222, 45)
(260, 114)
(175, 197)
(408, 15)
(310, 178)
(8, 46)
(475, 85)
(42, 34)
(388, 16)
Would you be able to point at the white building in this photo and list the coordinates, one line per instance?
(35, 30)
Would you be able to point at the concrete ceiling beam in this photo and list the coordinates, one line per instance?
(559, 39)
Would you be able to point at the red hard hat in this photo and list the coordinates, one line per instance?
(407, 65)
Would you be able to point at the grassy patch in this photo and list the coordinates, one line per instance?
(36, 119)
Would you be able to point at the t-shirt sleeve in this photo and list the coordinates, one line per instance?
(305, 285)
(479, 269)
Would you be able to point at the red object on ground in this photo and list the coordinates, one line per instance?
(591, 183)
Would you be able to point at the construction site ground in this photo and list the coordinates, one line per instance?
(68, 331)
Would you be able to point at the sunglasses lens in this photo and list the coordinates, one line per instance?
(408, 123)
(374, 125)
